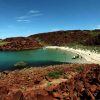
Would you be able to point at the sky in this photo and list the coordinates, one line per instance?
(27, 17)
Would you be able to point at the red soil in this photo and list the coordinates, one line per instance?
(20, 43)
(28, 84)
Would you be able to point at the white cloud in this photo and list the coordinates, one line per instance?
(27, 16)
(22, 20)
(34, 11)
(38, 14)
(22, 17)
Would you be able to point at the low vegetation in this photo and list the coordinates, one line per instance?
(55, 74)
(49, 84)
(95, 32)
(87, 38)
(3, 43)
(20, 65)
(19, 43)
(79, 69)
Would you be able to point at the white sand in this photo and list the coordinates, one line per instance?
(91, 57)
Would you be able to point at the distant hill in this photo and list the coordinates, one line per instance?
(62, 37)
(19, 43)
(15, 39)
(94, 41)
(84, 37)
(58, 38)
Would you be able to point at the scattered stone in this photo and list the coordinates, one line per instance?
(18, 96)
(93, 88)
(3, 90)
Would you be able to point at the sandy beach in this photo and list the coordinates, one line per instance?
(91, 57)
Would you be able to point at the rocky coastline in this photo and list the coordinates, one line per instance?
(58, 82)
(77, 81)
(58, 38)
(20, 43)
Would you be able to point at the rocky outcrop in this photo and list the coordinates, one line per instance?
(20, 43)
(19, 84)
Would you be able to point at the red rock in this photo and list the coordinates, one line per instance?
(50, 88)
(42, 92)
(38, 95)
(93, 88)
(9, 96)
(98, 88)
(79, 86)
(2, 97)
(57, 95)
(20, 43)
(30, 96)
(3, 90)
(66, 94)
(41, 97)
(18, 96)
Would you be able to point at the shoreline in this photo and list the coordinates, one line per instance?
(91, 57)
(12, 50)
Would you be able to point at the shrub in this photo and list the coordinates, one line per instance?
(49, 84)
(79, 69)
(55, 74)
(20, 65)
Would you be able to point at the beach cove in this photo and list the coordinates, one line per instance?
(91, 57)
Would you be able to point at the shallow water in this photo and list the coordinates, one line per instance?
(39, 57)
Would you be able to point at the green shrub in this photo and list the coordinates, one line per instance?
(79, 69)
(20, 65)
(55, 74)
(3, 43)
(49, 84)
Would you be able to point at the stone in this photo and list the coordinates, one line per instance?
(3, 90)
(93, 88)
(18, 96)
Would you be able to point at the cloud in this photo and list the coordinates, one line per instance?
(33, 11)
(27, 17)
(23, 20)
(22, 17)
(38, 14)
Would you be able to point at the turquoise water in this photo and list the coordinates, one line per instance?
(39, 57)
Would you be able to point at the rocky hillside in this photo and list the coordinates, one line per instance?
(84, 37)
(93, 41)
(59, 38)
(62, 37)
(59, 82)
(20, 43)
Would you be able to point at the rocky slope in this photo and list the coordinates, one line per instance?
(84, 37)
(93, 41)
(59, 38)
(62, 37)
(20, 43)
(77, 82)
